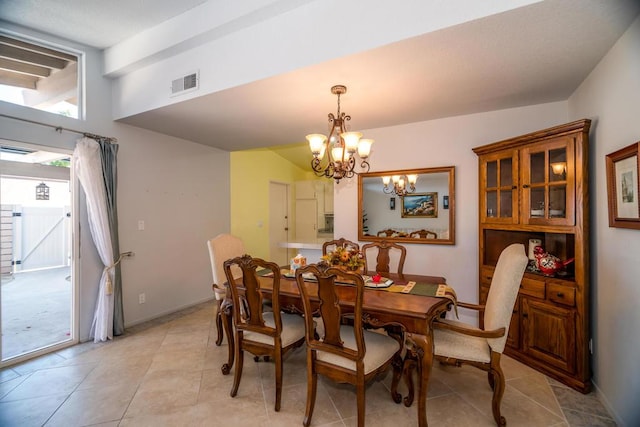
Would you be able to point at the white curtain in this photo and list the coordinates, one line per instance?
(89, 169)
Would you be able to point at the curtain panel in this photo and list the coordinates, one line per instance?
(98, 179)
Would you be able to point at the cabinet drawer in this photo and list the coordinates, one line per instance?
(532, 287)
(486, 274)
(562, 294)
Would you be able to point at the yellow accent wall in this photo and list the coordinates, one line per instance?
(251, 172)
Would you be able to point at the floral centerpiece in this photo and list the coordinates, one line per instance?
(348, 258)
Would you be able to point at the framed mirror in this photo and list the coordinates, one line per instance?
(410, 206)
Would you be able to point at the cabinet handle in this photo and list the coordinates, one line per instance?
(525, 315)
(514, 187)
(560, 295)
(526, 186)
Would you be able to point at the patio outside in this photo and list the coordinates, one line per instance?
(36, 310)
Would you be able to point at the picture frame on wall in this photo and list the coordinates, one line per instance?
(622, 187)
(422, 205)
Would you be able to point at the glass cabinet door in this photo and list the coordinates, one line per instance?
(548, 183)
(499, 202)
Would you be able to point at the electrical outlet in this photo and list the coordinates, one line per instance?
(140, 225)
(142, 298)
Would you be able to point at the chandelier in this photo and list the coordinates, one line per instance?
(399, 184)
(340, 146)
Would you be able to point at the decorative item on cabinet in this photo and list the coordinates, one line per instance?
(533, 189)
(549, 264)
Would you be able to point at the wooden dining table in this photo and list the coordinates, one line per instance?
(413, 313)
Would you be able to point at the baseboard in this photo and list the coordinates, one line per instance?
(605, 402)
(165, 313)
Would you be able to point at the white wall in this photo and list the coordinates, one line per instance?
(179, 188)
(266, 38)
(610, 96)
(419, 145)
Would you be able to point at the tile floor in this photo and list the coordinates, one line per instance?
(167, 373)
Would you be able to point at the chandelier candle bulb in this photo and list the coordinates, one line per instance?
(316, 143)
(351, 140)
(364, 148)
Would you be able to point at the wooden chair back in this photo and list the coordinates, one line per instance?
(341, 242)
(423, 234)
(386, 254)
(322, 294)
(389, 232)
(247, 298)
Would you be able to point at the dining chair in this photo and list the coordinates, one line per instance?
(389, 232)
(423, 234)
(261, 333)
(341, 242)
(221, 248)
(457, 343)
(343, 353)
(388, 256)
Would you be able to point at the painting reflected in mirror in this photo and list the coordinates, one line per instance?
(426, 206)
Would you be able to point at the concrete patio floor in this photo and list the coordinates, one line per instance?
(36, 310)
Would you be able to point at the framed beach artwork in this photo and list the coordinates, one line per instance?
(423, 205)
(622, 187)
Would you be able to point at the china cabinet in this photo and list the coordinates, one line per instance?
(535, 187)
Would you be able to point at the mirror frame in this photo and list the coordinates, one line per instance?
(452, 205)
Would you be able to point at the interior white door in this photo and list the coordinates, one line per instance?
(278, 222)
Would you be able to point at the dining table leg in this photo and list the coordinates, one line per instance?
(424, 349)
(227, 319)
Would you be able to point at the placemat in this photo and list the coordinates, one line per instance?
(438, 290)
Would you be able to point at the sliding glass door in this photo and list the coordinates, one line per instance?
(37, 291)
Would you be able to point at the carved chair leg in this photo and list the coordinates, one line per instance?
(312, 386)
(397, 365)
(238, 372)
(491, 380)
(227, 322)
(360, 399)
(278, 360)
(498, 388)
(219, 323)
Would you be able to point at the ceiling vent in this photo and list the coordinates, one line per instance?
(185, 84)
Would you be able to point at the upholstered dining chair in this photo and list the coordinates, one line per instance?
(342, 353)
(341, 242)
(221, 248)
(457, 343)
(387, 257)
(260, 332)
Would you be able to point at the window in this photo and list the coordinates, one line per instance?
(40, 77)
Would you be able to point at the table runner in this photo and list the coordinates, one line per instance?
(440, 290)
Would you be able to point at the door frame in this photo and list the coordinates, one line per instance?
(287, 187)
(75, 258)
